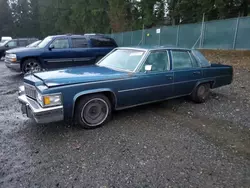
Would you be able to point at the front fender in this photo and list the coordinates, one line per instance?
(92, 91)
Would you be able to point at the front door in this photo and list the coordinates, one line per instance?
(58, 54)
(150, 86)
(186, 72)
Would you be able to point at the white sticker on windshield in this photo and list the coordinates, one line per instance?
(136, 54)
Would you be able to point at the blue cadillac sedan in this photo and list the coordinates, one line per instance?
(124, 78)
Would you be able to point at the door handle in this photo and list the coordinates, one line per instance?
(197, 72)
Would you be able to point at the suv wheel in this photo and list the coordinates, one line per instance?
(31, 65)
(93, 111)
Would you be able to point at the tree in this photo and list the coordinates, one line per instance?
(6, 19)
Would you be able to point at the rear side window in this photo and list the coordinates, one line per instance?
(22, 42)
(79, 43)
(103, 42)
(181, 60)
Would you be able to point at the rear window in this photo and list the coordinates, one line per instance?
(103, 42)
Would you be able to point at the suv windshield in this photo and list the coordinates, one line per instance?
(123, 59)
(45, 42)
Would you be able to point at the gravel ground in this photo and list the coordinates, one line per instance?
(172, 144)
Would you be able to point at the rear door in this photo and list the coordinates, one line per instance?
(186, 72)
(81, 52)
(58, 54)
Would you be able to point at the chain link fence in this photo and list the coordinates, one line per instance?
(220, 34)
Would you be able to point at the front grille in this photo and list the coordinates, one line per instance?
(30, 91)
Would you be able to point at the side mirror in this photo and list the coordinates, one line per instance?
(6, 45)
(51, 46)
(148, 68)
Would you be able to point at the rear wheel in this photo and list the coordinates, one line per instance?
(93, 111)
(201, 93)
(31, 65)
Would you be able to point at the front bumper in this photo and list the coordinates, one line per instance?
(41, 115)
(13, 66)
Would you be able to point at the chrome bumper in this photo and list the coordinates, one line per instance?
(13, 66)
(41, 115)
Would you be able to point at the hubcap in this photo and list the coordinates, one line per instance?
(32, 66)
(95, 112)
(201, 90)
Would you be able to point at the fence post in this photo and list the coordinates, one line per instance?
(143, 35)
(177, 37)
(159, 42)
(236, 32)
(132, 38)
(122, 40)
(202, 30)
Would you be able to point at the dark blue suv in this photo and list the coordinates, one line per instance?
(60, 51)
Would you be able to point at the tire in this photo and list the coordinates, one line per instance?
(31, 65)
(201, 93)
(98, 106)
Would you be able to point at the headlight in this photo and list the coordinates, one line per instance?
(11, 57)
(49, 100)
(39, 98)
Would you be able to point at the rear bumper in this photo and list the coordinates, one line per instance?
(41, 115)
(13, 66)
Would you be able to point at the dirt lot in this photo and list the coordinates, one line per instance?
(172, 144)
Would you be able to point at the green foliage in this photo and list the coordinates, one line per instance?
(46, 17)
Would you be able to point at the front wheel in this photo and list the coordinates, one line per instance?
(31, 65)
(201, 93)
(93, 111)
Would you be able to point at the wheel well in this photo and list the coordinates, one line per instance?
(211, 84)
(110, 95)
(24, 59)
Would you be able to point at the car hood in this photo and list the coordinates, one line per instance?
(21, 49)
(78, 75)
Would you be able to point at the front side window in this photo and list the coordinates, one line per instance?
(12, 43)
(60, 43)
(158, 60)
(123, 59)
(181, 60)
(79, 43)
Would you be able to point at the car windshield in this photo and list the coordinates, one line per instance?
(123, 59)
(45, 42)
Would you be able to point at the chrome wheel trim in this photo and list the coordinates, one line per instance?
(32, 66)
(97, 112)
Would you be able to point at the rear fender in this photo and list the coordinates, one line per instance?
(210, 81)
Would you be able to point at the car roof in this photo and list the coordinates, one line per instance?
(149, 48)
(87, 35)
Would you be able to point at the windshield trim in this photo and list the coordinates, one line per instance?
(123, 48)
